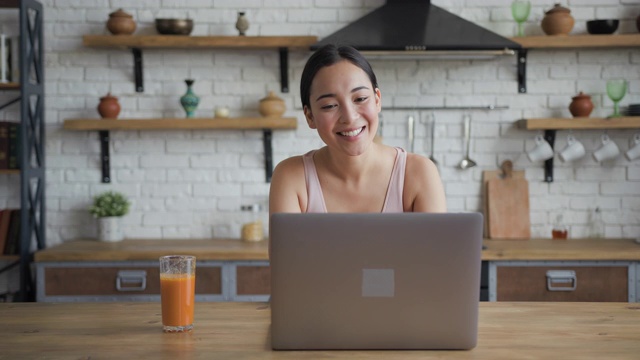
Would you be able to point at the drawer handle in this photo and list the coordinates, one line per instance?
(131, 280)
(557, 280)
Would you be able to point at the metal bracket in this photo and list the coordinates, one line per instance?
(284, 70)
(268, 154)
(137, 68)
(104, 156)
(522, 70)
(550, 137)
(10, 102)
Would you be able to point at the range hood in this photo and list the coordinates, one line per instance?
(413, 28)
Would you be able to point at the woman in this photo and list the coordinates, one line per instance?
(341, 100)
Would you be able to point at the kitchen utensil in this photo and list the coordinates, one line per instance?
(121, 23)
(608, 151)
(557, 21)
(489, 175)
(411, 126)
(508, 205)
(466, 162)
(174, 26)
(542, 151)
(433, 139)
(608, 26)
(581, 105)
(634, 151)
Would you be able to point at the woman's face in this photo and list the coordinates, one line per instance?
(344, 107)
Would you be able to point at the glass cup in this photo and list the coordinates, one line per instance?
(520, 10)
(177, 292)
(616, 89)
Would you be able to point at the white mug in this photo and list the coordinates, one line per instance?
(609, 150)
(634, 152)
(542, 151)
(573, 151)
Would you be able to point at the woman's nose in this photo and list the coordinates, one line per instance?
(348, 114)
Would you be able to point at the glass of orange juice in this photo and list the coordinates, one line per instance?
(177, 292)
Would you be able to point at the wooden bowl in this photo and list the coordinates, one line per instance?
(174, 26)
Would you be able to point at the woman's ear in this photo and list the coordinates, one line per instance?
(309, 116)
(378, 99)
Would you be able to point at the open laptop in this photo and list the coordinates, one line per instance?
(375, 281)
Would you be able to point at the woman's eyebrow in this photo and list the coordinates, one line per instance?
(333, 95)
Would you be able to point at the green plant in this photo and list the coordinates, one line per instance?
(109, 203)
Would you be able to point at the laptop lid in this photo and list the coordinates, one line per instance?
(375, 281)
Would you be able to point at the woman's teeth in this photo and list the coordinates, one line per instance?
(352, 132)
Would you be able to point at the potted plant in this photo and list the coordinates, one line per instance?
(109, 207)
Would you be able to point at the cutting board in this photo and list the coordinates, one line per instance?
(507, 203)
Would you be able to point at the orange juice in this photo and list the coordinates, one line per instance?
(177, 293)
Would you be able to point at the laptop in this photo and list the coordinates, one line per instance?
(375, 281)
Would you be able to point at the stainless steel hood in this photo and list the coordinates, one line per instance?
(416, 27)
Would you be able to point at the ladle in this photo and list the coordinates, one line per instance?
(467, 163)
(433, 140)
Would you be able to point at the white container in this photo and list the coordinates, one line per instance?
(110, 229)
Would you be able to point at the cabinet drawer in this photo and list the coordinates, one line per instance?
(591, 283)
(253, 280)
(125, 280)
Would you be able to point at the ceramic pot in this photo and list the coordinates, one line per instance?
(581, 106)
(109, 108)
(110, 229)
(272, 106)
(558, 21)
(242, 24)
(121, 23)
(189, 100)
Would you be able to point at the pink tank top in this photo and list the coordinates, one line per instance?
(392, 201)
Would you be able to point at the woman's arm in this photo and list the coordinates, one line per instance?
(424, 191)
(288, 189)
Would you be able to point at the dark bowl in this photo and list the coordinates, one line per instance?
(174, 26)
(602, 26)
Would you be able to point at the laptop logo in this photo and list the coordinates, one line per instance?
(378, 283)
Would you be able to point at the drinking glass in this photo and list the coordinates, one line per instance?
(520, 10)
(177, 292)
(616, 89)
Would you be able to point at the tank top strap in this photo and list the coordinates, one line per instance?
(315, 198)
(393, 201)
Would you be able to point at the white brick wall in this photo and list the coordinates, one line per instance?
(191, 184)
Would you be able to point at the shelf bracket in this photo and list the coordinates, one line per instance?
(268, 154)
(137, 68)
(284, 72)
(10, 102)
(550, 137)
(104, 156)
(522, 71)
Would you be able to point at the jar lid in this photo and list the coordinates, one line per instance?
(557, 8)
(120, 13)
(582, 95)
(271, 96)
(109, 97)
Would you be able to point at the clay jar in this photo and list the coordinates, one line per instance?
(121, 23)
(557, 21)
(581, 106)
(109, 108)
(272, 106)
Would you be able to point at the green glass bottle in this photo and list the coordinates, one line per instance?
(189, 100)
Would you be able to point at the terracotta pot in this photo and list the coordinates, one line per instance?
(109, 108)
(581, 106)
(272, 106)
(558, 21)
(121, 23)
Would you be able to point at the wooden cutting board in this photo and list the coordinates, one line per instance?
(507, 204)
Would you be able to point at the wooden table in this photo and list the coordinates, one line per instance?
(241, 331)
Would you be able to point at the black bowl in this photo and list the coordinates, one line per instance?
(174, 26)
(602, 26)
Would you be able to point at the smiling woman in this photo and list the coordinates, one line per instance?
(341, 100)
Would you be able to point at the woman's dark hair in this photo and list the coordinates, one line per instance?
(327, 56)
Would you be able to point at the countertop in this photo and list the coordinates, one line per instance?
(235, 249)
(241, 331)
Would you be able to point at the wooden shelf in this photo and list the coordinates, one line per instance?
(578, 41)
(182, 124)
(138, 42)
(627, 122)
(103, 126)
(198, 42)
(10, 171)
(9, 86)
(9, 258)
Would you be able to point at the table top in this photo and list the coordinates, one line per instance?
(241, 331)
(235, 249)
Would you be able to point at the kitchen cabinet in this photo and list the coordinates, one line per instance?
(31, 137)
(551, 125)
(103, 126)
(567, 42)
(138, 42)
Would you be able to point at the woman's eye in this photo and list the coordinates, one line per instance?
(327, 107)
(361, 98)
